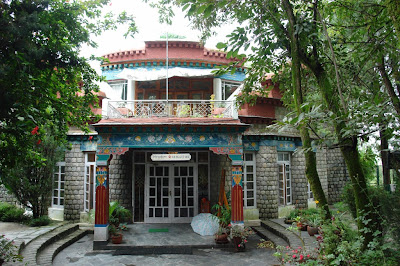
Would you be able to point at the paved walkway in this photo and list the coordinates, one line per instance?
(81, 253)
(23, 233)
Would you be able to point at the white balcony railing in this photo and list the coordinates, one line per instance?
(170, 108)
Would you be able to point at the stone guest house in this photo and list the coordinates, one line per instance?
(160, 156)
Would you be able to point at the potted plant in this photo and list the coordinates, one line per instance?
(224, 218)
(118, 214)
(221, 237)
(312, 226)
(239, 236)
(301, 223)
(115, 234)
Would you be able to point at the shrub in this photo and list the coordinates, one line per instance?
(11, 213)
(348, 199)
(8, 251)
(41, 221)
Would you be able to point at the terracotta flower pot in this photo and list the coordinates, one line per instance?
(239, 244)
(116, 239)
(221, 238)
(312, 230)
(302, 227)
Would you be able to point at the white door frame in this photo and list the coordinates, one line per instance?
(171, 193)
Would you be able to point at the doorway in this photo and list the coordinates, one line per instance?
(171, 193)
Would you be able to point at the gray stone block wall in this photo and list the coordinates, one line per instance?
(121, 179)
(217, 163)
(299, 180)
(337, 175)
(267, 182)
(74, 181)
(322, 169)
(5, 196)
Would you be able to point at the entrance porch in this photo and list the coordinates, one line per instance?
(180, 239)
(164, 190)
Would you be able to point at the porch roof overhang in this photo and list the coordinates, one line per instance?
(144, 74)
(168, 124)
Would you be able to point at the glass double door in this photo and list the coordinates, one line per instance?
(171, 193)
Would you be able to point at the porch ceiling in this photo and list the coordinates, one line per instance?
(171, 121)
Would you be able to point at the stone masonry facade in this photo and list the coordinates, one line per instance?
(299, 180)
(5, 196)
(267, 182)
(331, 169)
(74, 183)
(336, 174)
(121, 179)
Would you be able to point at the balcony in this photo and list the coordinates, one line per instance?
(171, 108)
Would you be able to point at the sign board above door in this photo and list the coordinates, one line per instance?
(171, 157)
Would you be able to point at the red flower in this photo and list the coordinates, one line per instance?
(39, 141)
(35, 130)
(294, 256)
(301, 257)
(90, 137)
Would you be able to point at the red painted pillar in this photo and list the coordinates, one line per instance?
(102, 198)
(102, 191)
(237, 194)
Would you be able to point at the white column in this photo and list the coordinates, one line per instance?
(131, 90)
(217, 89)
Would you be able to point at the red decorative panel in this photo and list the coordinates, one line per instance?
(112, 150)
(237, 204)
(227, 150)
(101, 214)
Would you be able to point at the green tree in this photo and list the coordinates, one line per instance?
(30, 178)
(41, 71)
(326, 36)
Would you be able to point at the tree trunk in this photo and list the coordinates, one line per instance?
(388, 85)
(348, 147)
(310, 158)
(385, 159)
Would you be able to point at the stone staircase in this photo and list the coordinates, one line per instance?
(276, 231)
(43, 249)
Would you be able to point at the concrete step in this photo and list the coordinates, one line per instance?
(268, 235)
(34, 247)
(46, 256)
(290, 237)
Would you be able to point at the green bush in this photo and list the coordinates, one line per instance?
(349, 200)
(41, 221)
(340, 244)
(4, 207)
(11, 213)
(305, 214)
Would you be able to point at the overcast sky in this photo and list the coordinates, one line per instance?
(146, 19)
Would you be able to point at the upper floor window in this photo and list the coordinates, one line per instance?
(285, 178)
(120, 88)
(228, 87)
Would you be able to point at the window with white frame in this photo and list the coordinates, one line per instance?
(58, 185)
(285, 178)
(249, 179)
(228, 87)
(309, 192)
(120, 88)
(90, 183)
